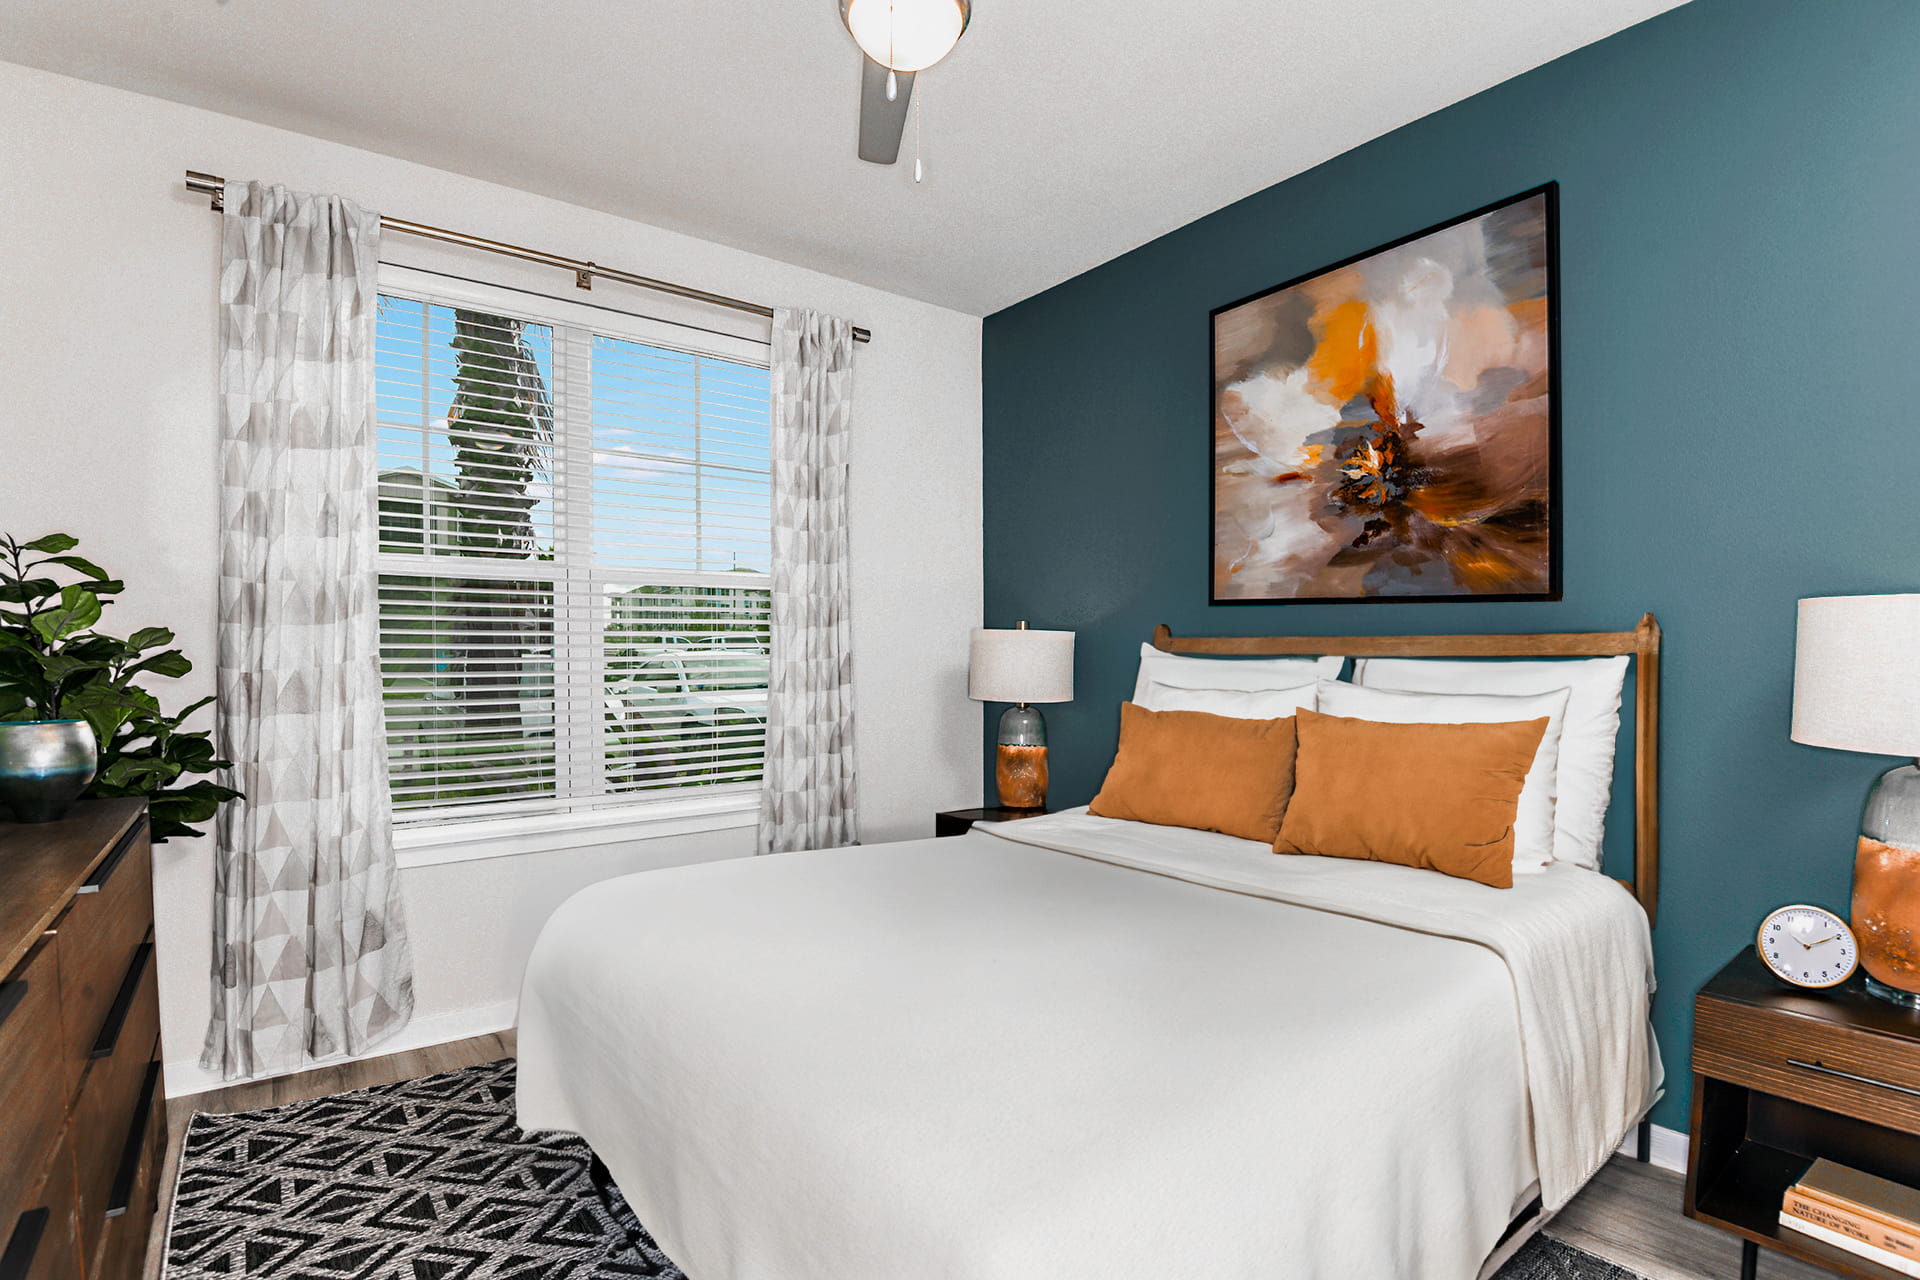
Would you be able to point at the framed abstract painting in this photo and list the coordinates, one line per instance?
(1387, 428)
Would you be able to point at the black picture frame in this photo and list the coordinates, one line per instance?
(1555, 553)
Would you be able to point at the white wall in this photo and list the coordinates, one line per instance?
(108, 358)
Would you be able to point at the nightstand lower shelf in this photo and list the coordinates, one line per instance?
(1754, 1145)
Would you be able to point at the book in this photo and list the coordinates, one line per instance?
(1872, 1202)
(1840, 1215)
(1890, 1203)
(1859, 1248)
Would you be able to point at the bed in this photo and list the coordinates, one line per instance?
(1075, 1046)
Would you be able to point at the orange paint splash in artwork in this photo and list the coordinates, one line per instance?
(1345, 361)
(1342, 362)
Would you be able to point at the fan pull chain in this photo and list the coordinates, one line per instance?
(919, 109)
(893, 83)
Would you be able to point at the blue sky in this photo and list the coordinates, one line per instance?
(677, 438)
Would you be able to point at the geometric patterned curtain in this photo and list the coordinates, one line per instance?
(807, 788)
(310, 952)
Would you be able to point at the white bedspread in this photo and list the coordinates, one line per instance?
(1058, 1049)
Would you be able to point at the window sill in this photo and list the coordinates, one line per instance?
(427, 846)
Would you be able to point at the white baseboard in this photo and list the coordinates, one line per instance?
(1668, 1148)
(188, 1076)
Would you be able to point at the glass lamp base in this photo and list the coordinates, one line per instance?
(1886, 888)
(1892, 995)
(1020, 759)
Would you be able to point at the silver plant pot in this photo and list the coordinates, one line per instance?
(44, 766)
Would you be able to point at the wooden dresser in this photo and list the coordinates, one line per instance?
(82, 1118)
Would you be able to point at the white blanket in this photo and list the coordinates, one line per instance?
(1059, 1049)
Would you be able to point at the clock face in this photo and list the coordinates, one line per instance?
(1808, 946)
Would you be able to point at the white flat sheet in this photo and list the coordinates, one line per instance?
(989, 1058)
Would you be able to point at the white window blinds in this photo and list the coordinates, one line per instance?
(573, 571)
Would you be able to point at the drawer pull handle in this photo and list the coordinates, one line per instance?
(17, 1261)
(122, 1005)
(98, 880)
(12, 994)
(122, 1194)
(1838, 1074)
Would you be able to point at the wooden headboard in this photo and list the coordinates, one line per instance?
(1642, 644)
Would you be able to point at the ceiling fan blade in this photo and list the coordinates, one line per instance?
(882, 122)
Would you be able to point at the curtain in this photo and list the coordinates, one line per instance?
(807, 792)
(310, 944)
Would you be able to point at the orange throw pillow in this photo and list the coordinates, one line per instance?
(1440, 796)
(1192, 769)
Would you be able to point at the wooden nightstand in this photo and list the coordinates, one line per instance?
(1781, 1076)
(954, 822)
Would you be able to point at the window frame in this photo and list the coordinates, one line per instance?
(582, 812)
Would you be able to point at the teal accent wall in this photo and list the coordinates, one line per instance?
(1740, 342)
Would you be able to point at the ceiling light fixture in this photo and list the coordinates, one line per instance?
(900, 38)
(906, 35)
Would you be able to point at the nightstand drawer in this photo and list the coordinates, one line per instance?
(1857, 1073)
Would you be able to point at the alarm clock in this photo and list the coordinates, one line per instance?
(1808, 946)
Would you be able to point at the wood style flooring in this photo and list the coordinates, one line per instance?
(1629, 1214)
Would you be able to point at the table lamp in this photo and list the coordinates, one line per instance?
(1856, 687)
(1021, 667)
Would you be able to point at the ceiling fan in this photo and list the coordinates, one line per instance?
(898, 39)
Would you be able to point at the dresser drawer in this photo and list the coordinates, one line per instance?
(41, 1242)
(36, 1076)
(110, 916)
(122, 1251)
(110, 1100)
(1870, 1077)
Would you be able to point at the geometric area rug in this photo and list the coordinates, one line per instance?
(431, 1179)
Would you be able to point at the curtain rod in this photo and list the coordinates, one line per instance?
(583, 272)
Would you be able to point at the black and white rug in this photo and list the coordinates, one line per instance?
(430, 1179)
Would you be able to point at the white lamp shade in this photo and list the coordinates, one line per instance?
(906, 35)
(1856, 674)
(1020, 666)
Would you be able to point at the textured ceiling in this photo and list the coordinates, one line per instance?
(1059, 134)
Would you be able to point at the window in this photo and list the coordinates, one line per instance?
(574, 530)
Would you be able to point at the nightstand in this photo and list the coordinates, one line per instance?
(1781, 1076)
(954, 822)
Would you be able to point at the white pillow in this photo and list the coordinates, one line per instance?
(1584, 787)
(1533, 831)
(1183, 672)
(1241, 704)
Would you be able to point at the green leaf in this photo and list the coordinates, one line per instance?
(53, 544)
(171, 663)
(64, 666)
(79, 564)
(149, 638)
(110, 587)
(186, 711)
(189, 748)
(139, 773)
(96, 648)
(28, 590)
(78, 609)
(183, 806)
(104, 706)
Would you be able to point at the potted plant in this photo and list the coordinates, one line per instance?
(73, 717)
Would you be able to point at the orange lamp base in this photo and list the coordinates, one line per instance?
(1021, 772)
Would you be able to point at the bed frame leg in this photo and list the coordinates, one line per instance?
(1749, 1260)
(1643, 1145)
